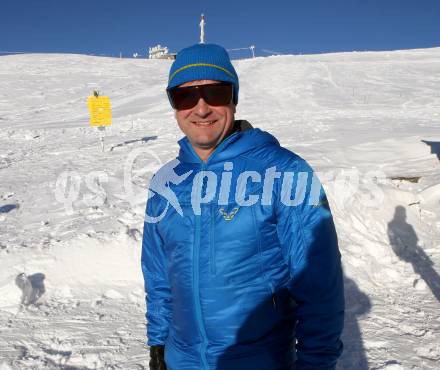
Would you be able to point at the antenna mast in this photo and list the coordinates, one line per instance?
(202, 29)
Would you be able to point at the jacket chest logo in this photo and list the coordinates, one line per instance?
(228, 216)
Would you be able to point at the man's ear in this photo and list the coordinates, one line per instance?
(175, 114)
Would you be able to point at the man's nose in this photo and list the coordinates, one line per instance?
(202, 108)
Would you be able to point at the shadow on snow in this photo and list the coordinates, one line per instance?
(404, 241)
(142, 140)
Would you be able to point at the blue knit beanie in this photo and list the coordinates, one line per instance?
(203, 62)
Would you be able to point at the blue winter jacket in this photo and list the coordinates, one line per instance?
(247, 278)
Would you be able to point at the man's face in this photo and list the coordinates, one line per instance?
(205, 125)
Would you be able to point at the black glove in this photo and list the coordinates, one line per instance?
(157, 361)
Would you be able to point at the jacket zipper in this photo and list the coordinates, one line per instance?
(196, 256)
(212, 240)
(196, 285)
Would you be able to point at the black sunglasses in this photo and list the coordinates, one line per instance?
(187, 97)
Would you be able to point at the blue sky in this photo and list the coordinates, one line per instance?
(313, 26)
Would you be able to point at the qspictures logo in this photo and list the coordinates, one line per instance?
(295, 188)
(144, 176)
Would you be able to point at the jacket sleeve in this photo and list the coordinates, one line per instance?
(309, 244)
(157, 288)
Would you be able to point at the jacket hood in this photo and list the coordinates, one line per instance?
(246, 138)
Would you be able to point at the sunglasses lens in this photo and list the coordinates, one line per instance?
(217, 94)
(183, 97)
(188, 97)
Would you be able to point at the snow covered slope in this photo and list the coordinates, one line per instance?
(368, 122)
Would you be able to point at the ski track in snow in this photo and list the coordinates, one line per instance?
(369, 111)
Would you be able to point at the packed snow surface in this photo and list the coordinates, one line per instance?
(368, 122)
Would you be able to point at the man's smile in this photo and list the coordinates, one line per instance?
(204, 123)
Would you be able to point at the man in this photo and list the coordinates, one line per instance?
(240, 256)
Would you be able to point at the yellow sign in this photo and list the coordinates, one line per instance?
(100, 110)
